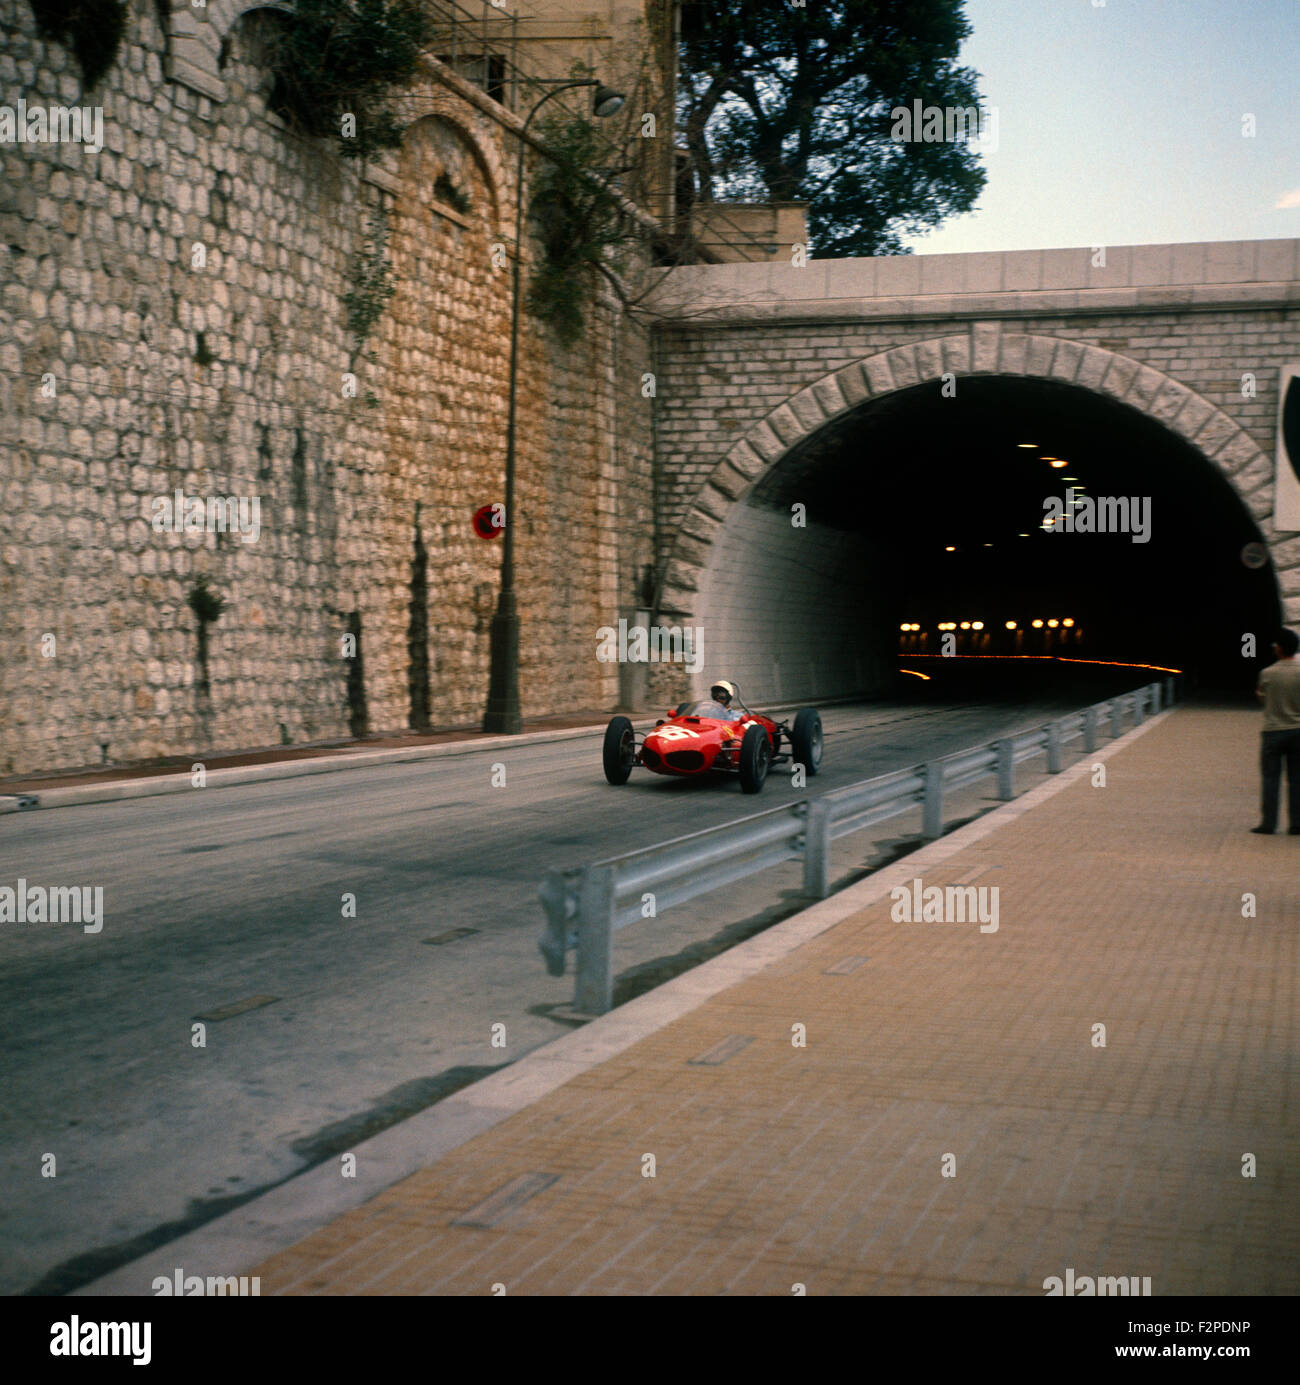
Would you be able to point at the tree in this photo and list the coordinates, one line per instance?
(337, 61)
(797, 104)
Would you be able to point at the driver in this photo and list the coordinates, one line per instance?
(724, 692)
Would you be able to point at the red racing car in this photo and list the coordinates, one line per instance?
(699, 737)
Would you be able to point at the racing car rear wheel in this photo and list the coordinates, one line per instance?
(620, 750)
(755, 759)
(806, 741)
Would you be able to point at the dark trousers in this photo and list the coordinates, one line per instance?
(1274, 748)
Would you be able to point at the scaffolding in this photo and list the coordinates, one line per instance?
(502, 50)
(499, 49)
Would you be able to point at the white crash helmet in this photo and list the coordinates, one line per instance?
(724, 692)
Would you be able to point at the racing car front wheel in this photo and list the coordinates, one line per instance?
(620, 750)
(806, 741)
(755, 759)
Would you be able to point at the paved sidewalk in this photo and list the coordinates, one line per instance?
(777, 1165)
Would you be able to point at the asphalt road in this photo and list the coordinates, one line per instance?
(224, 895)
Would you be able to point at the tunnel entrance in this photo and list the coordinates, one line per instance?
(932, 513)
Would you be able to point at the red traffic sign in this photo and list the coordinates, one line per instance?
(490, 520)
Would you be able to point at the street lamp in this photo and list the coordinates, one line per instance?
(503, 640)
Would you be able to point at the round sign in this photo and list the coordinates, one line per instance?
(490, 520)
(1254, 555)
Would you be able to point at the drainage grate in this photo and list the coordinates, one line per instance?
(508, 1198)
(845, 965)
(239, 1007)
(719, 1053)
(449, 936)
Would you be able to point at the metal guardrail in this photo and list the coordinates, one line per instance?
(587, 905)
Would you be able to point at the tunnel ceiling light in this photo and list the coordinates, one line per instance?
(965, 625)
(1052, 624)
(1026, 444)
(1038, 625)
(1024, 536)
(1011, 625)
(977, 625)
(950, 549)
(1067, 621)
(1057, 463)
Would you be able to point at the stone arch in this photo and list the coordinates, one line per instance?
(195, 36)
(449, 110)
(194, 40)
(985, 349)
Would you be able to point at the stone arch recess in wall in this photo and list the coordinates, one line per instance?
(194, 39)
(983, 350)
(194, 42)
(447, 109)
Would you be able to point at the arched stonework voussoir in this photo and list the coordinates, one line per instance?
(984, 349)
(195, 35)
(473, 129)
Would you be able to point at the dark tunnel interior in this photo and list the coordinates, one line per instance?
(951, 492)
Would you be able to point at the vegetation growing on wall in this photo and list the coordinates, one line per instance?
(370, 281)
(92, 29)
(447, 191)
(207, 606)
(336, 62)
(581, 222)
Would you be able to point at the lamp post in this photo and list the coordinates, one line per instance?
(503, 639)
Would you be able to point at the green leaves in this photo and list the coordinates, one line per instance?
(371, 280)
(335, 63)
(93, 29)
(580, 221)
(787, 104)
(206, 604)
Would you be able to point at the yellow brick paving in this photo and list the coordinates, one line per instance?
(1119, 905)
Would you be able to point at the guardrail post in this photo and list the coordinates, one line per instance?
(558, 904)
(1090, 728)
(593, 992)
(1169, 691)
(1116, 716)
(932, 807)
(1006, 769)
(1153, 693)
(817, 850)
(1053, 747)
(1139, 706)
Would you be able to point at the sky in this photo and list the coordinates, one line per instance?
(1121, 123)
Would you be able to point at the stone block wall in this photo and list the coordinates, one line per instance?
(172, 317)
